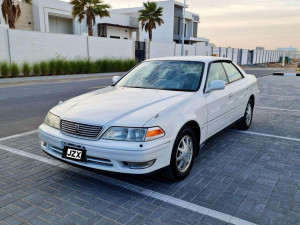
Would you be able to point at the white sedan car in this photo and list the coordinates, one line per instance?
(154, 117)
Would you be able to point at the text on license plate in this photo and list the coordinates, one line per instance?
(74, 154)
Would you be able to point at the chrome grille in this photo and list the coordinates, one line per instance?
(80, 130)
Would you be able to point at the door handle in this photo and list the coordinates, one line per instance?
(230, 95)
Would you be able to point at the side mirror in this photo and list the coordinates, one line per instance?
(216, 85)
(115, 79)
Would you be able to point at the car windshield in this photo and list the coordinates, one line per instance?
(164, 75)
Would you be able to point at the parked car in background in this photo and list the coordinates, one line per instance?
(298, 66)
(154, 117)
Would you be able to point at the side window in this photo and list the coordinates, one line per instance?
(232, 72)
(216, 72)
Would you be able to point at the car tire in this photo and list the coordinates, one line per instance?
(246, 121)
(184, 151)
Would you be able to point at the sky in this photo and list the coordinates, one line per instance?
(243, 23)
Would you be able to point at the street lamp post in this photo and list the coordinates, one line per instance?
(183, 30)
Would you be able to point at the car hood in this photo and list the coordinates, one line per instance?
(118, 106)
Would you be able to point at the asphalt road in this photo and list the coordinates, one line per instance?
(23, 107)
(260, 72)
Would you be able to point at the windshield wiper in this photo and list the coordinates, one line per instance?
(132, 86)
(181, 90)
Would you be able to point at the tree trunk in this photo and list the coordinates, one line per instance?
(89, 22)
(11, 24)
(91, 31)
(150, 34)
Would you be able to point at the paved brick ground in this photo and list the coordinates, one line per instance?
(251, 177)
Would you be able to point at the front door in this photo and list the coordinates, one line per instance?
(240, 89)
(219, 102)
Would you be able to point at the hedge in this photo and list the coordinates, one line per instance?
(66, 67)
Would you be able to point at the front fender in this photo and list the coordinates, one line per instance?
(174, 118)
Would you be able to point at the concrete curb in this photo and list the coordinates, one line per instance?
(287, 74)
(58, 77)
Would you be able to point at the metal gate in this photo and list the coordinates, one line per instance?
(250, 57)
(140, 51)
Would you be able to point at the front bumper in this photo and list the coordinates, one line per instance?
(109, 155)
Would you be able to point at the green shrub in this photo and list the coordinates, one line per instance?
(26, 69)
(14, 70)
(89, 67)
(73, 67)
(62, 66)
(76, 66)
(129, 64)
(67, 67)
(98, 66)
(59, 64)
(44, 68)
(4, 69)
(122, 65)
(52, 67)
(81, 66)
(94, 67)
(36, 69)
(105, 65)
(113, 65)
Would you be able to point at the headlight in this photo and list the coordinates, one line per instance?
(133, 134)
(52, 120)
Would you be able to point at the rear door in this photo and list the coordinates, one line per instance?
(239, 86)
(218, 102)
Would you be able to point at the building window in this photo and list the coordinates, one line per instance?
(195, 30)
(102, 30)
(115, 37)
(176, 25)
(60, 25)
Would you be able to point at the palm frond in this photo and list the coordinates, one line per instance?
(27, 1)
(89, 9)
(17, 11)
(150, 16)
(5, 11)
(11, 11)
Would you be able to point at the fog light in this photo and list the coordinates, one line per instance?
(140, 165)
(43, 143)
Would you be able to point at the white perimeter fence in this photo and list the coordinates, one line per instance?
(239, 56)
(19, 46)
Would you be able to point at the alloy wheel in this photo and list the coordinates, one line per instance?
(248, 114)
(184, 153)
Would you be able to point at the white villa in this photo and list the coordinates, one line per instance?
(54, 16)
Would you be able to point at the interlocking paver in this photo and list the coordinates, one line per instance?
(11, 220)
(3, 215)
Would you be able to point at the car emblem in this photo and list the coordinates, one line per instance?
(77, 128)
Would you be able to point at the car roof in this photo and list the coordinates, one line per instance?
(205, 59)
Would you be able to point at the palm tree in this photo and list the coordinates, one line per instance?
(90, 9)
(150, 16)
(11, 12)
